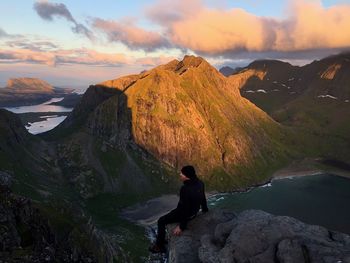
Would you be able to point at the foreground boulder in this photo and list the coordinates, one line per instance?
(256, 236)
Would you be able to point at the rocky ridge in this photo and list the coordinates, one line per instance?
(256, 236)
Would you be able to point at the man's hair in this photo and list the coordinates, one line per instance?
(189, 171)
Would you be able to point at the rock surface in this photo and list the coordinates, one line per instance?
(256, 236)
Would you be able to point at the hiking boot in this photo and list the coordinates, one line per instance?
(157, 249)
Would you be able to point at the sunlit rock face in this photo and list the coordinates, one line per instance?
(184, 112)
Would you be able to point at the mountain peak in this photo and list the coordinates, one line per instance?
(188, 62)
(192, 61)
(268, 63)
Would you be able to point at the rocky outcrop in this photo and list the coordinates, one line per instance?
(256, 236)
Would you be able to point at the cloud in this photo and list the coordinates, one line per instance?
(29, 56)
(3, 33)
(164, 12)
(132, 36)
(63, 57)
(154, 61)
(34, 45)
(48, 11)
(212, 31)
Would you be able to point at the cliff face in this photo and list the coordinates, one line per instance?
(256, 236)
(20, 150)
(186, 112)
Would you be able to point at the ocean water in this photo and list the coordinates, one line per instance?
(43, 107)
(48, 122)
(318, 199)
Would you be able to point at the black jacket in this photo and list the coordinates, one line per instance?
(192, 197)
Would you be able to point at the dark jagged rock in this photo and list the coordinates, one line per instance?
(256, 236)
(184, 249)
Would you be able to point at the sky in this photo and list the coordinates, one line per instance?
(83, 42)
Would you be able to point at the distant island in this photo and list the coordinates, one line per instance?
(29, 91)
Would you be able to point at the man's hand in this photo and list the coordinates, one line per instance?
(177, 231)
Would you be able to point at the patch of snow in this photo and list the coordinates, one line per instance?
(327, 96)
(275, 82)
(289, 87)
(346, 100)
(291, 79)
(261, 90)
(250, 91)
(284, 85)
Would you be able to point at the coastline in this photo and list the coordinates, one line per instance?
(147, 213)
(308, 167)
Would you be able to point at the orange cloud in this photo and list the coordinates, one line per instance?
(60, 57)
(132, 36)
(313, 26)
(310, 26)
(154, 61)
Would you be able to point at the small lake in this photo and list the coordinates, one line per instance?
(318, 199)
(46, 122)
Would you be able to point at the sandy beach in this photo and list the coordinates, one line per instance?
(148, 212)
(307, 167)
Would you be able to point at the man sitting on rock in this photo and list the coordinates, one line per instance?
(192, 197)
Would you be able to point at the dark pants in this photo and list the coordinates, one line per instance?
(171, 217)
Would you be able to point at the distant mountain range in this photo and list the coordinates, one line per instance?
(315, 96)
(227, 71)
(28, 91)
